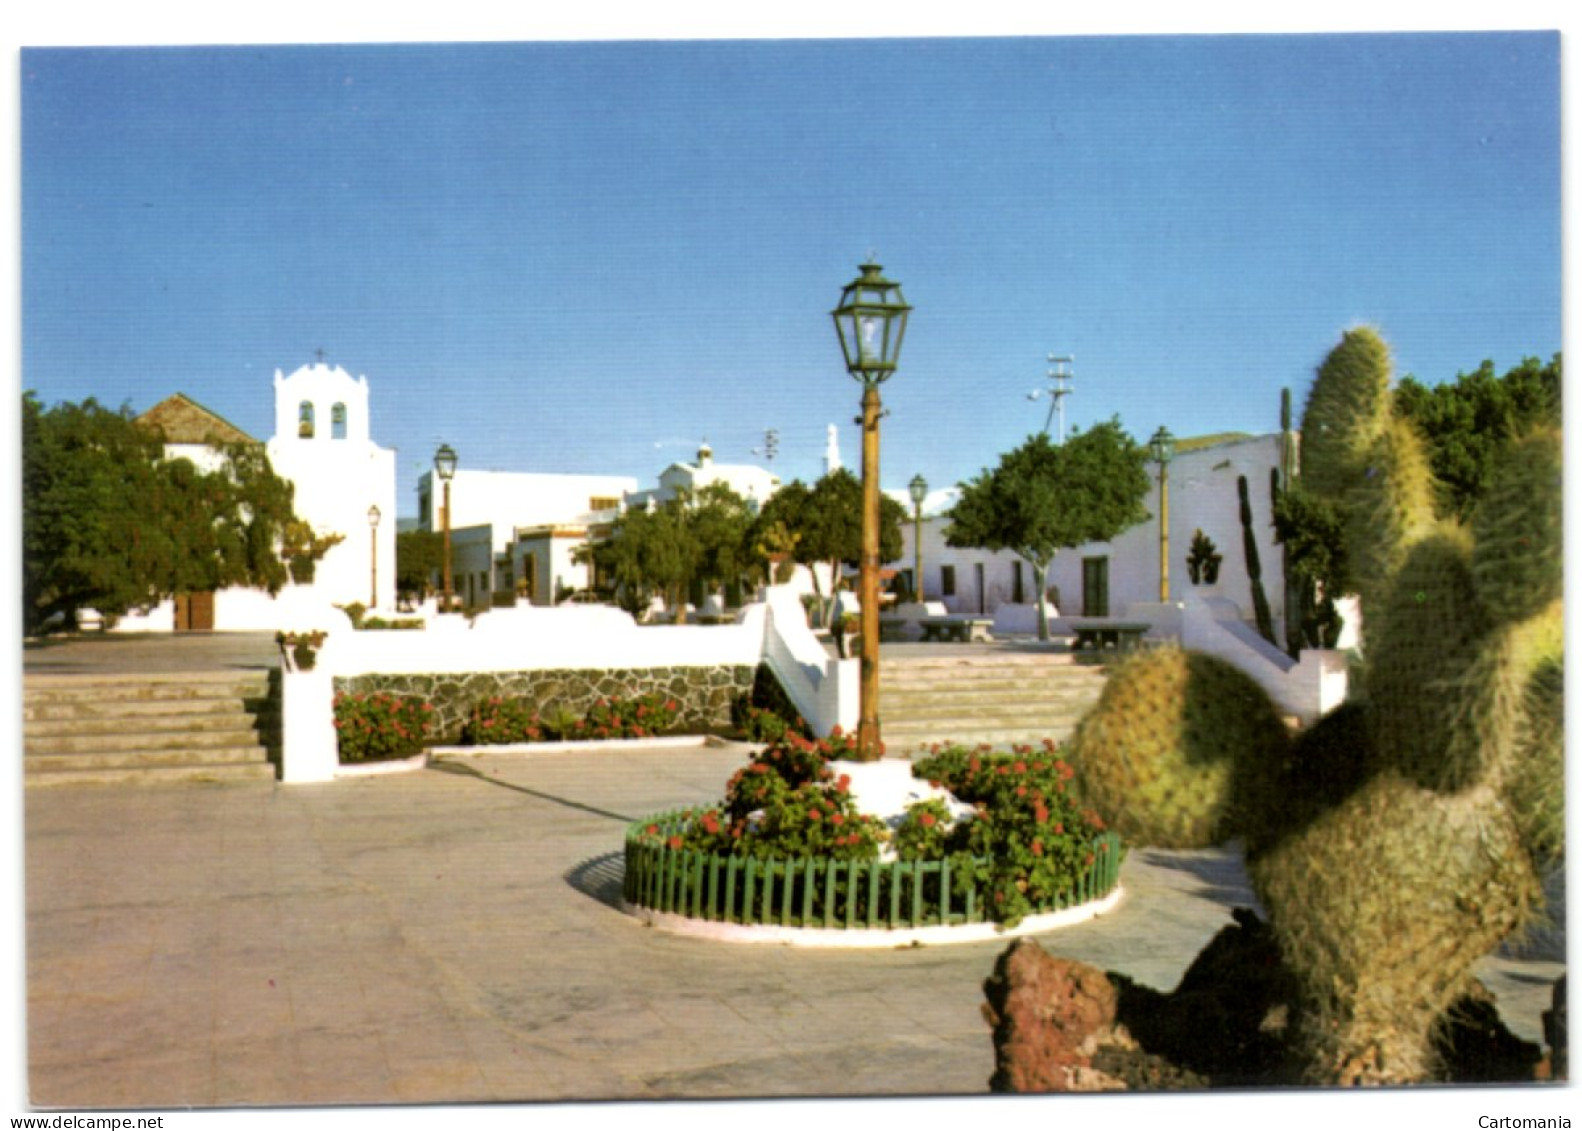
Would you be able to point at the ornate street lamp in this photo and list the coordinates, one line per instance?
(373, 556)
(1162, 449)
(919, 490)
(870, 323)
(445, 467)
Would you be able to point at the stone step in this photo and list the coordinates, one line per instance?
(226, 716)
(133, 758)
(148, 728)
(1012, 711)
(902, 741)
(41, 690)
(238, 732)
(226, 773)
(125, 711)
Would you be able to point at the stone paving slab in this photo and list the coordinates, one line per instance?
(450, 936)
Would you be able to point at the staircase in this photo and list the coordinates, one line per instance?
(998, 698)
(180, 726)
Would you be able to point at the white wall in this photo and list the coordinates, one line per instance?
(337, 480)
(1202, 496)
(509, 499)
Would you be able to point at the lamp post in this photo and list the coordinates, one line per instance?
(1162, 449)
(445, 466)
(373, 556)
(870, 323)
(919, 490)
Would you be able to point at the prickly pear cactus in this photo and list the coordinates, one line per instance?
(1398, 840)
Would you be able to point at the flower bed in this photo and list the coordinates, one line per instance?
(830, 891)
(789, 847)
(499, 721)
(379, 727)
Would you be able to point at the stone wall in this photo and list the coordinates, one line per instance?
(704, 693)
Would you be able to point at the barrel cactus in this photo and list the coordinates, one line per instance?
(1402, 837)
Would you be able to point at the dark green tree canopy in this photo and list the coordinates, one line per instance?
(420, 554)
(1045, 497)
(108, 523)
(705, 537)
(1470, 421)
(824, 523)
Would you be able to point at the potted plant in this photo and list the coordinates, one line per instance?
(301, 648)
(1203, 560)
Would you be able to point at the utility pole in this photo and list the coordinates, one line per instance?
(1059, 374)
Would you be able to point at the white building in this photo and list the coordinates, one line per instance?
(515, 532)
(753, 483)
(1108, 578)
(322, 445)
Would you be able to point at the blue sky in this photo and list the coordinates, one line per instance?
(589, 257)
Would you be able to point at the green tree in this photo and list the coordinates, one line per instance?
(1316, 566)
(823, 525)
(108, 523)
(1043, 497)
(722, 525)
(1469, 422)
(650, 551)
(420, 554)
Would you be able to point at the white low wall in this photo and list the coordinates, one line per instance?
(823, 688)
(529, 637)
(526, 638)
(1308, 688)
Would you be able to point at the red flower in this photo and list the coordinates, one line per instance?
(837, 819)
(1021, 791)
(1020, 767)
(814, 815)
(652, 830)
(928, 820)
(1038, 848)
(674, 842)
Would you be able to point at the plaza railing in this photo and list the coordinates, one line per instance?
(820, 892)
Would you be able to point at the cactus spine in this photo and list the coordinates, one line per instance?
(1401, 838)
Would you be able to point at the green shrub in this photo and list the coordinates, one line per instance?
(379, 624)
(760, 724)
(379, 726)
(1031, 839)
(496, 721)
(643, 717)
(929, 832)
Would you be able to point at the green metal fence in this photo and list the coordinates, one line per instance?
(819, 892)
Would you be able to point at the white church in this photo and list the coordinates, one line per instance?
(345, 485)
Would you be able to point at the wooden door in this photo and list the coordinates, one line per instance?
(195, 612)
(1095, 587)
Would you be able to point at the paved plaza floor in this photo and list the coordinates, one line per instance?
(451, 935)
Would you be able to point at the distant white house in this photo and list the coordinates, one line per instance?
(515, 532)
(323, 445)
(519, 532)
(753, 483)
(1109, 578)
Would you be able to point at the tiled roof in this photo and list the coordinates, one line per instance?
(182, 420)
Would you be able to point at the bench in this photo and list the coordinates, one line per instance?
(892, 630)
(963, 628)
(1096, 636)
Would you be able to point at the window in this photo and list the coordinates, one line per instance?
(338, 422)
(305, 420)
(603, 503)
(947, 580)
